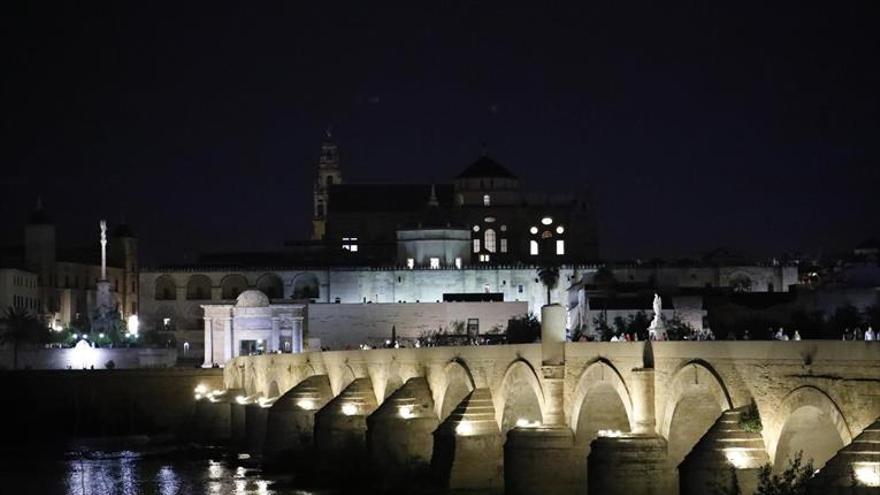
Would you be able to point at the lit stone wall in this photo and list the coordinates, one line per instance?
(389, 285)
(342, 325)
(73, 358)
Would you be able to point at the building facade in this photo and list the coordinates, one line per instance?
(66, 278)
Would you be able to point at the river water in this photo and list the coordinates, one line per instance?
(127, 472)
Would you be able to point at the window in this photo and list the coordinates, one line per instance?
(489, 219)
(560, 247)
(476, 228)
(484, 258)
(546, 220)
(533, 248)
(329, 180)
(519, 288)
(533, 230)
(503, 245)
(560, 229)
(435, 263)
(350, 244)
(473, 327)
(489, 238)
(487, 200)
(476, 245)
(410, 263)
(504, 228)
(458, 263)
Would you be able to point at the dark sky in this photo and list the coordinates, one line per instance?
(695, 125)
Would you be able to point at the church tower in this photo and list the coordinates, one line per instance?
(40, 256)
(124, 252)
(328, 174)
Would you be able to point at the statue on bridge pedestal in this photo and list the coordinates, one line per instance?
(657, 329)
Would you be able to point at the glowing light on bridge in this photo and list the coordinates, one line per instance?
(867, 473)
(525, 423)
(201, 389)
(464, 428)
(266, 402)
(610, 433)
(307, 404)
(406, 412)
(242, 400)
(349, 409)
(737, 458)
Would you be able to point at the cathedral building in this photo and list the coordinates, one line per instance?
(407, 260)
(422, 225)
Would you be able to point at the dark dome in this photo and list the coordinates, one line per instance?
(485, 167)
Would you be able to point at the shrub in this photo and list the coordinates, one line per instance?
(110, 365)
(750, 420)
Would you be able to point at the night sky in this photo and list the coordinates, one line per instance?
(696, 126)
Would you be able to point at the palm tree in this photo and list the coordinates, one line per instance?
(549, 276)
(19, 326)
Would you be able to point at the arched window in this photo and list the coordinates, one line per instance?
(489, 239)
(306, 287)
(487, 200)
(198, 288)
(533, 247)
(271, 285)
(233, 285)
(166, 290)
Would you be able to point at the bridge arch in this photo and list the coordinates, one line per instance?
(273, 391)
(811, 422)
(519, 396)
(601, 402)
(340, 377)
(696, 398)
(458, 384)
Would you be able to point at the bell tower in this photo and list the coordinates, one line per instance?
(328, 174)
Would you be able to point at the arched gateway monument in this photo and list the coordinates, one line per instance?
(559, 417)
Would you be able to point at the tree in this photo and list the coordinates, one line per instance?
(844, 317)
(523, 330)
(549, 276)
(20, 327)
(792, 481)
(678, 329)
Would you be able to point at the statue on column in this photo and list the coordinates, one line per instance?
(657, 329)
(103, 225)
(105, 312)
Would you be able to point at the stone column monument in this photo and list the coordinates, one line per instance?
(104, 312)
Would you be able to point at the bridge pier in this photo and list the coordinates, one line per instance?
(467, 446)
(290, 425)
(238, 421)
(212, 416)
(399, 432)
(540, 460)
(725, 447)
(256, 415)
(341, 425)
(855, 469)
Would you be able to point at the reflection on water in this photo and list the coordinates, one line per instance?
(134, 473)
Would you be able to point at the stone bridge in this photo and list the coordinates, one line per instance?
(559, 417)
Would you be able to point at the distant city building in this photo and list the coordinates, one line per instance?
(65, 278)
